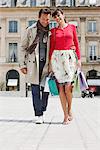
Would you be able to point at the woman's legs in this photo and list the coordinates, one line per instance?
(68, 92)
(63, 102)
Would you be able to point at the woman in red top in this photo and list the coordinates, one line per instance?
(64, 58)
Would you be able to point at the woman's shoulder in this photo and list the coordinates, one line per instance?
(53, 29)
(72, 26)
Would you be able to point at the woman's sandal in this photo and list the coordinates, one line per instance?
(70, 117)
(65, 122)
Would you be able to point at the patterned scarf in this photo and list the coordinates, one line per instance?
(40, 29)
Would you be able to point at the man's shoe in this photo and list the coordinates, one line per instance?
(39, 120)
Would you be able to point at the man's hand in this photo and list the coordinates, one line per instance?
(24, 70)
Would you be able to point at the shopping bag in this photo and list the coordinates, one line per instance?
(46, 86)
(83, 82)
(53, 86)
(76, 86)
(42, 83)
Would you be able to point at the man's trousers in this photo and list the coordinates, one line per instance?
(39, 97)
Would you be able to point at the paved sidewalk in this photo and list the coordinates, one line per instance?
(19, 132)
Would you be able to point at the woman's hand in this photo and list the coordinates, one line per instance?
(79, 64)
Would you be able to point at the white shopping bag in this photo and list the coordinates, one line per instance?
(46, 86)
(83, 82)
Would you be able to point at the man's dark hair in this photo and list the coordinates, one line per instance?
(44, 11)
(56, 12)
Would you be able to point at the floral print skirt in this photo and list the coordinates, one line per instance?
(63, 64)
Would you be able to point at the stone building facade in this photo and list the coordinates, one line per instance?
(16, 15)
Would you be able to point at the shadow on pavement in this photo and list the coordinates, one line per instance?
(26, 121)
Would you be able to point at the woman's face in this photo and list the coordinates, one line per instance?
(59, 18)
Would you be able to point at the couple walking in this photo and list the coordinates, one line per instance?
(44, 51)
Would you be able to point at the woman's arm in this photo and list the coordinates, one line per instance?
(76, 42)
(52, 47)
(52, 42)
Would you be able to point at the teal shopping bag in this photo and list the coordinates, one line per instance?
(53, 87)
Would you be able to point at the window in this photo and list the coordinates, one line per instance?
(92, 73)
(92, 51)
(33, 2)
(12, 52)
(13, 26)
(21, 3)
(82, 2)
(72, 3)
(92, 26)
(52, 24)
(65, 2)
(5, 3)
(92, 2)
(31, 22)
(13, 3)
(53, 3)
(43, 2)
(12, 80)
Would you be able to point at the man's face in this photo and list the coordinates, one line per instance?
(44, 19)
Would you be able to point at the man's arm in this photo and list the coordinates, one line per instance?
(23, 53)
